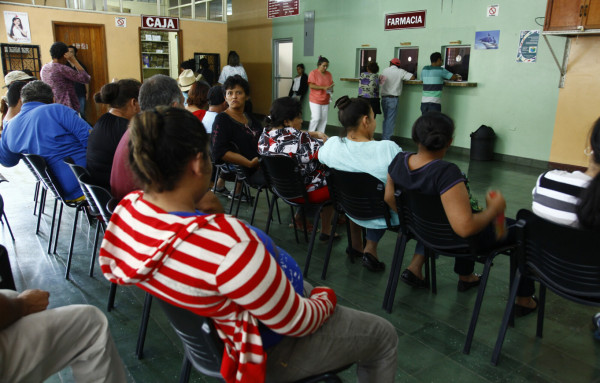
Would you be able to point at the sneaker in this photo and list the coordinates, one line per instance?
(237, 196)
(223, 191)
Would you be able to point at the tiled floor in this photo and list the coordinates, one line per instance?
(431, 328)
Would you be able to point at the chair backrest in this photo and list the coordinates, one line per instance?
(359, 195)
(112, 204)
(201, 344)
(564, 258)
(283, 176)
(424, 217)
(40, 169)
(78, 171)
(99, 195)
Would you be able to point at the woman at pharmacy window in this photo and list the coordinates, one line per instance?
(299, 84)
(368, 86)
(321, 84)
(427, 172)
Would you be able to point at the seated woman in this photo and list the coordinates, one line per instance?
(284, 137)
(122, 96)
(235, 134)
(427, 172)
(358, 152)
(197, 101)
(216, 266)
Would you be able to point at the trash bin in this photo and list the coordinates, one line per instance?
(482, 143)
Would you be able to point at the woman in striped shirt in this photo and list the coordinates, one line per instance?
(216, 266)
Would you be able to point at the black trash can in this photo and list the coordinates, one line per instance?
(482, 144)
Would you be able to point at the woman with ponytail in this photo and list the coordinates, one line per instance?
(356, 151)
(427, 172)
(122, 97)
(572, 199)
(274, 327)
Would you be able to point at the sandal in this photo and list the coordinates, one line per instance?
(521, 311)
(325, 237)
(353, 254)
(411, 279)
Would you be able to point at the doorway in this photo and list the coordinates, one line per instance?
(89, 39)
(283, 67)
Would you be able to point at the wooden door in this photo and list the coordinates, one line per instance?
(91, 44)
(563, 15)
(592, 14)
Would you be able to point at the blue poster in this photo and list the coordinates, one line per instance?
(528, 45)
(487, 39)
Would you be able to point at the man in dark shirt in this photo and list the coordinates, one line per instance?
(81, 90)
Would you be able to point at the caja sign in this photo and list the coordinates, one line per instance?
(160, 22)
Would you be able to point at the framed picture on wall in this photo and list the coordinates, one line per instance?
(17, 27)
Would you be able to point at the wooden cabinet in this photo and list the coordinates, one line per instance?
(572, 15)
(160, 53)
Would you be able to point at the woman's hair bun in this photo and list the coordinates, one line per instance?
(342, 102)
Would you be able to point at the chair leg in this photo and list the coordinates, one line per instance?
(256, 204)
(541, 310)
(313, 235)
(235, 184)
(58, 222)
(70, 256)
(278, 215)
(395, 268)
(143, 326)
(329, 246)
(96, 236)
(186, 369)
(294, 222)
(433, 273)
(507, 313)
(36, 196)
(478, 302)
(270, 215)
(111, 297)
(41, 211)
(8, 225)
(50, 236)
(245, 190)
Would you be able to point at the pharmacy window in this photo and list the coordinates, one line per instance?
(409, 58)
(365, 56)
(456, 60)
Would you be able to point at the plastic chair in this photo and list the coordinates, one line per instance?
(47, 178)
(561, 258)
(3, 218)
(359, 196)
(285, 181)
(38, 188)
(93, 209)
(422, 217)
(203, 349)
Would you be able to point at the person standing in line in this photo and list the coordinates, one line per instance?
(433, 77)
(233, 67)
(299, 85)
(81, 90)
(368, 87)
(61, 78)
(390, 89)
(321, 85)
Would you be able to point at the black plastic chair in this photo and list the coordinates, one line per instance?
(203, 349)
(561, 258)
(422, 217)
(38, 189)
(285, 181)
(3, 218)
(93, 210)
(359, 196)
(47, 178)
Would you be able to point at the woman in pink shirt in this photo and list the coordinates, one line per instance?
(321, 84)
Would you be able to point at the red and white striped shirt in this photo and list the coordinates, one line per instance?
(214, 266)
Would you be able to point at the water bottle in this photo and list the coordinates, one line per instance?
(596, 321)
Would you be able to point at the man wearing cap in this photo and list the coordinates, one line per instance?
(16, 75)
(390, 88)
(13, 103)
(61, 77)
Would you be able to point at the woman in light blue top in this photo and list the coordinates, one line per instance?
(358, 152)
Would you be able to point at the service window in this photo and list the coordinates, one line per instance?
(456, 60)
(365, 56)
(409, 59)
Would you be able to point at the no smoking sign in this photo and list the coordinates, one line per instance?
(493, 10)
(120, 22)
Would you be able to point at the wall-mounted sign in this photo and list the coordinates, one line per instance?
(282, 8)
(405, 20)
(493, 10)
(17, 27)
(160, 22)
(487, 39)
(120, 22)
(528, 44)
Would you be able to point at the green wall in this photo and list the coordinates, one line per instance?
(517, 99)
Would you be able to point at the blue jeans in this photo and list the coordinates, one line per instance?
(430, 107)
(389, 105)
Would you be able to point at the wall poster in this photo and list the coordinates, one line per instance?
(17, 27)
(528, 45)
(487, 39)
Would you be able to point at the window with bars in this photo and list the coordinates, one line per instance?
(19, 57)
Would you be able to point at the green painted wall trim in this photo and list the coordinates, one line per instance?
(518, 100)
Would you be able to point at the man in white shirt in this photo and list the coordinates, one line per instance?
(390, 88)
